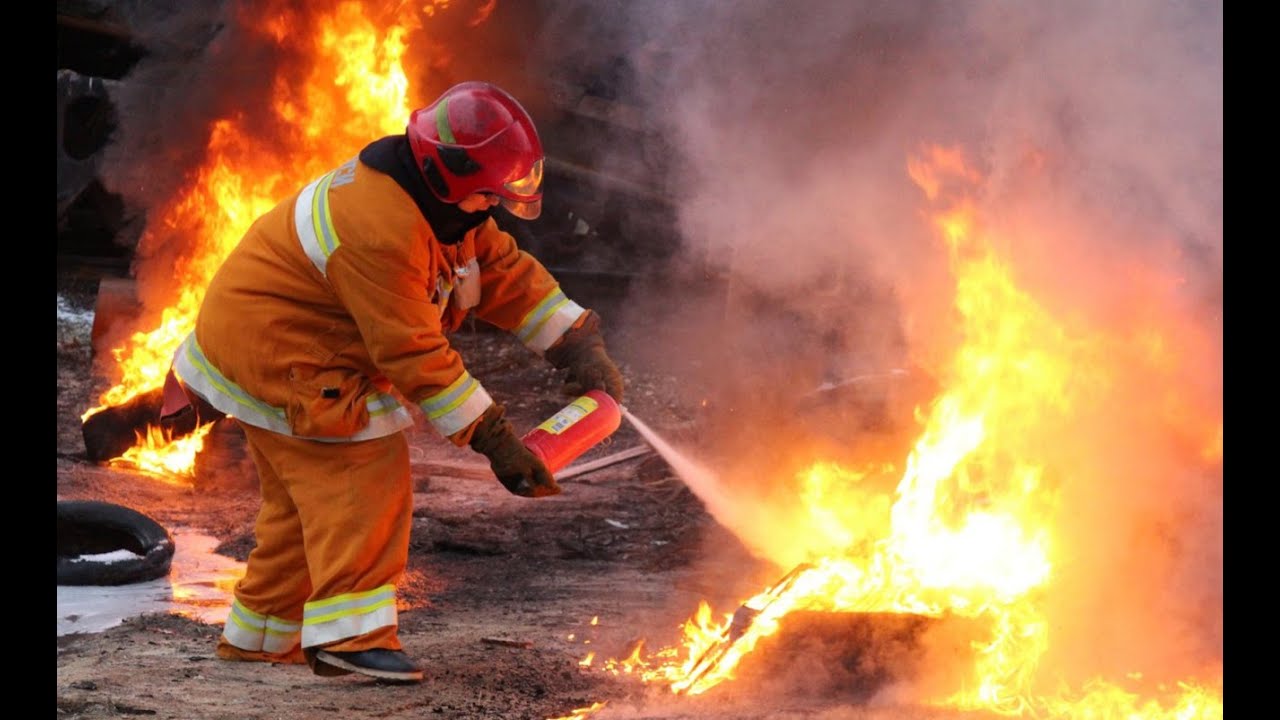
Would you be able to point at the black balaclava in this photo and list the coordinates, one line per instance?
(393, 156)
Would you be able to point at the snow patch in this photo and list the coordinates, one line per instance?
(114, 556)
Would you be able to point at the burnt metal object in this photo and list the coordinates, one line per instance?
(110, 432)
(85, 120)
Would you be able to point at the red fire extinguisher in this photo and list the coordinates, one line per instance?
(575, 429)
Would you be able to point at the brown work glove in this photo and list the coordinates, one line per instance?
(515, 466)
(581, 352)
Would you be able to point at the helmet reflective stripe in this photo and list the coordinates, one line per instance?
(442, 123)
(547, 321)
(458, 405)
(348, 615)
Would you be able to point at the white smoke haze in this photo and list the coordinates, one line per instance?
(1097, 130)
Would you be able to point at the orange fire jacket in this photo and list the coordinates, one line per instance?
(336, 304)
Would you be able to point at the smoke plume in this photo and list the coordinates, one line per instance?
(1095, 130)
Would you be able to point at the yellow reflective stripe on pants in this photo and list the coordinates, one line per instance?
(331, 619)
(332, 535)
(256, 632)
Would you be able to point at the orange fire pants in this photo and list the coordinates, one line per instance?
(332, 542)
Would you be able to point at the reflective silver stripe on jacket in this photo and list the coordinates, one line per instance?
(386, 414)
(547, 321)
(457, 406)
(348, 615)
(256, 632)
(313, 222)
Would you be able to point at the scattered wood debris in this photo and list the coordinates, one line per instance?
(525, 644)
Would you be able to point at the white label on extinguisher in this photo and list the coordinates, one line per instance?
(570, 414)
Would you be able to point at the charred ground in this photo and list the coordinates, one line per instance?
(501, 592)
(483, 565)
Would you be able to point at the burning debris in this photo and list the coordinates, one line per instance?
(974, 527)
(1013, 508)
(112, 431)
(730, 640)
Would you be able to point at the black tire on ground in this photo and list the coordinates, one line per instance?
(89, 527)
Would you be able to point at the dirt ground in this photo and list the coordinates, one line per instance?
(501, 592)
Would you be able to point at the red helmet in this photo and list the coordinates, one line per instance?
(477, 138)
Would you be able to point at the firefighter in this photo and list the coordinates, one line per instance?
(337, 305)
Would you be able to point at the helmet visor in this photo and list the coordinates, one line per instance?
(523, 210)
(528, 185)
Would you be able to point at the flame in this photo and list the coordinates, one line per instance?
(350, 89)
(972, 528)
(171, 459)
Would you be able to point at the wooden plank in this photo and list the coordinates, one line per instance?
(524, 644)
(586, 467)
(472, 471)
